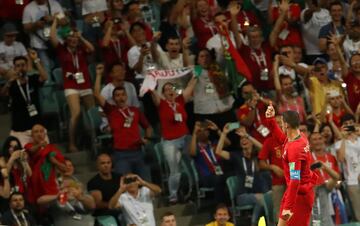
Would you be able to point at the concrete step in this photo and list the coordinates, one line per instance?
(85, 177)
(80, 158)
(178, 210)
(88, 168)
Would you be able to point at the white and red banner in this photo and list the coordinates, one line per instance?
(153, 75)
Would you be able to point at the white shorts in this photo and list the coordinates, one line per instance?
(80, 92)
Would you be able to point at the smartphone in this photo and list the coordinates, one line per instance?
(350, 128)
(233, 125)
(315, 166)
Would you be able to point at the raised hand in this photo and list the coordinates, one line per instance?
(212, 125)
(100, 68)
(234, 8)
(270, 111)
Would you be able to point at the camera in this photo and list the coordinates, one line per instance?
(350, 128)
(129, 180)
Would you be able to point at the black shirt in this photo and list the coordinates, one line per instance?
(8, 219)
(237, 159)
(107, 188)
(20, 118)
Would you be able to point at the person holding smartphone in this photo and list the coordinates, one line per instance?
(134, 197)
(72, 55)
(348, 153)
(17, 164)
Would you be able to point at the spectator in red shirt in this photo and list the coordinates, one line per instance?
(245, 19)
(285, 93)
(257, 55)
(297, 202)
(44, 159)
(251, 113)
(327, 170)
(203, 25)
(286, 31)
(116, 42)
(12, 11)
(174, 130)
(125, 122)
(133, 14)
(76, 78)
(351, 77)
(270, 159)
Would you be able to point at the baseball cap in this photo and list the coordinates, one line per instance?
(319, 60)
(333, 93)
(9, 28)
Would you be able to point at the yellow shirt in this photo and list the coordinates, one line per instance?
(318, 92)
(214, 223)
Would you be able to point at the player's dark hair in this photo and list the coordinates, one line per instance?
(292, 118)
(19, 58)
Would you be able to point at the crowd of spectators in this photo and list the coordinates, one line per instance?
(299, 55)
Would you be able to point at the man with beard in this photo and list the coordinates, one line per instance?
(23, 91)
(17, 214)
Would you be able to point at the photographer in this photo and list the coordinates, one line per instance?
(17, 214)
(348, 149)
(134, 197)
(23, 91)
(252, 113)
(325, 166)
(77, 84)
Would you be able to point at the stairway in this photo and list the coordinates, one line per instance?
(186, 214)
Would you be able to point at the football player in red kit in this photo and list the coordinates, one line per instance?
(297, 202)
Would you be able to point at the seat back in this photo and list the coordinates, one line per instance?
(269, 208)
(106, 221)
(57, 77)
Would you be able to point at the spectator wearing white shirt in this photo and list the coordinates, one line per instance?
(348, 153)
(312, 19)
(136, 201)
(9, 48)
(37, 18)
(172, 59)
(351, 43)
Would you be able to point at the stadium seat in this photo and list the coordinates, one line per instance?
(269, 208)
(106, 221)
(57, 77)
(92, 71)
(233, 185)
(93, 119)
